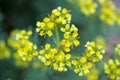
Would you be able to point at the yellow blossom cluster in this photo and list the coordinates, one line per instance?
(70, 37)
(4, 51)
(112, 68)
(54, 58)
(88, 7)
(58, 56)
(94, 52)
(108, 12)
(58, 60)
(58, 17)
(25, 48)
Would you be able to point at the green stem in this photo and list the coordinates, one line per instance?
(57, 37)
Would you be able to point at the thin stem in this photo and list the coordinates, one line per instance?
(57, 37)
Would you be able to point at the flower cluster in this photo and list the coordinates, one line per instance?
(58, 56)
(107, 12)
(58, 17)
(25, 48)
(55, 58)
(70, 37)
(112, 68)
(94, 52)
(60, 61)
(4, 51)
(88, 7)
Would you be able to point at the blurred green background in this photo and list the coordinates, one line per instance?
(23, 14)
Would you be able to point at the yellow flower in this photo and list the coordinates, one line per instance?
(60, 69)
(47, 46)
(50, 25)
(75, 34)
(92, 75)
(42, 51)
(112, 69)
(99, 55)
(77, 69)
(42, 24)
(55, 66)
(66, 35)
(67, 44)
(68, 63)
(67, 56)
(83, 60)
(38, 24)
(64, 11)
(88, 7)
(49, 33)
(29, 33)
(46, 20)
(41, 33)
(74, 62)
(76, 42)
(108, 16)
(47, 63)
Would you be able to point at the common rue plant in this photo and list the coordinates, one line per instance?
(58, 55)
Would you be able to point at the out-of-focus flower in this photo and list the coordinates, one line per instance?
(19, 40)
(108, 16)
(88, 7)
(19, 62)
(93, 75)
(112, 68)
(108, 11)
(4, 51)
